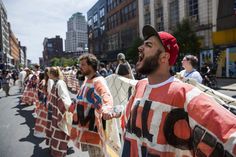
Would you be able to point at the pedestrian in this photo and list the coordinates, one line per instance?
(94, 97)
(22, 76)
(14, 76)
(166, 117)
(189, 64)
(123, 67)
(49, 84)
(41, 111)
(30, 94)
(206, 74)
(60, 102)
(103, 70)
(6, 77)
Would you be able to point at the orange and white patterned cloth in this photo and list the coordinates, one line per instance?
(93, 96)
(174, 119)
(30, 94)
(41, 111)
(60, 103)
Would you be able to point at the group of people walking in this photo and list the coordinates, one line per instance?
(163, 117)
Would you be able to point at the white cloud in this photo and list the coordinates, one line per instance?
(33, 20)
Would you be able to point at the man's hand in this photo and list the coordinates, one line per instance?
(111, 112)
(108, 116)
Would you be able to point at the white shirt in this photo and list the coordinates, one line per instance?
(49, 85)
(63, 93)
(192, 74)
(22, 75)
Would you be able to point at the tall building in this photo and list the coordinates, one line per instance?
(5, 57)
(14, 48)
(96, 28)
(23, 58)
(122, 26)
(76, 35)
(165, 14)
(41, 63)
(53, 47)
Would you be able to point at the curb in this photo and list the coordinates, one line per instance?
(220, 88)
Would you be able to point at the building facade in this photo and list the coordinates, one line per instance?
(41, 62)
(165, 14)
(76, 35)
(213, 20)
(5, 57)
(23, 59)
(96, 28)
(122, 26)
(53, 47)
(14, 49)
(224, 38)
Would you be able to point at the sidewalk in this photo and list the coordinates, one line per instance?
(227, 84)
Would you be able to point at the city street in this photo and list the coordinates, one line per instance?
(16, 127)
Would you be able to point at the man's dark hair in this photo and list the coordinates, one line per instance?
(91, 60)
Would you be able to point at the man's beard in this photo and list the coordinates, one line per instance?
(150, 64)
(85, 73)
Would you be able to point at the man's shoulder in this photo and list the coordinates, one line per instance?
(179, 86)
(142, 83)
(98, 80)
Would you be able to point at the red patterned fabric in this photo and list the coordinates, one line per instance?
(42, 111)
(94, 94)
(174, 119)
(30, 94)
(59, 139)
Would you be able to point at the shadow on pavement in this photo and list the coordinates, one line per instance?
(30, 121)
(225, 81)
(39, 152)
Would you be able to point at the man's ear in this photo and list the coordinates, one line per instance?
(165, 57)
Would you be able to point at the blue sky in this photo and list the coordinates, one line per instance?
(33, 20)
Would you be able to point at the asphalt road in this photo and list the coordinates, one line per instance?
(228, 93)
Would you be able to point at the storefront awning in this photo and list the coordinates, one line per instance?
(224, 37)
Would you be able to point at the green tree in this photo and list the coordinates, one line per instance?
(21, 65)
(63, 61)
(188, 41)
(132, 52)
(55, 62)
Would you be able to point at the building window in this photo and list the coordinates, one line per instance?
(146, 2)
(101, 12)
(234, 7)
(90, 22)
(159, 19)
(147, 19)
(49, 45)
(128, 12)
(113, 42)
(193, 7)
(174, 13)
(102, 28)
(127, 37)
(95, 18)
